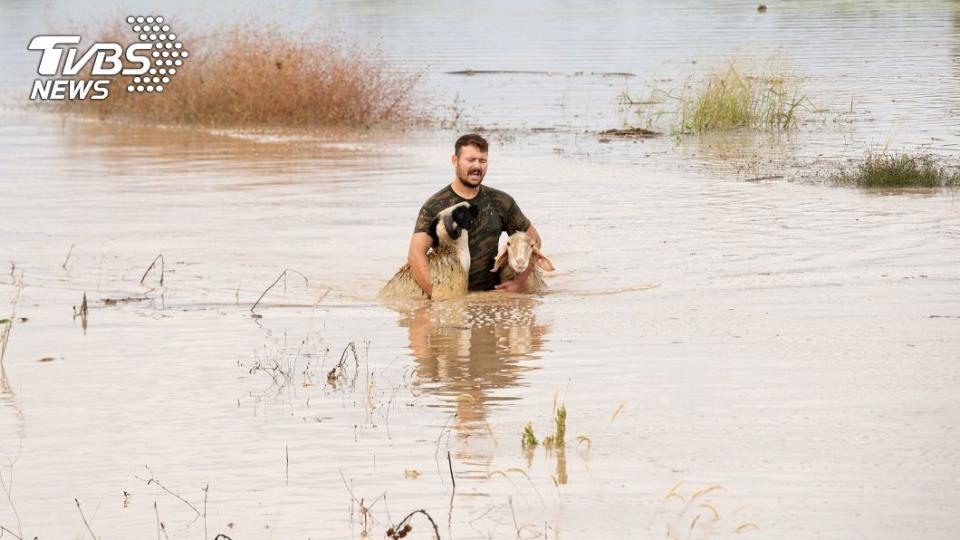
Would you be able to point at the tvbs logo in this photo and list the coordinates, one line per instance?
(151, 63)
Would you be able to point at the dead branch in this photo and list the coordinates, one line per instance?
(8, 489)
(8, 323)
(341, 366)
(364, 510)
(447, 427)
(64, 265)
(4, 529)
(147, 271)
(401, 529)
(272, 285)
(84, 518)
(450, 464)
(206, 490)
(153, 480)
(513, 515)
(84, 310)
(157, 513)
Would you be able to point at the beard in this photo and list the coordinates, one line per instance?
(472, 181)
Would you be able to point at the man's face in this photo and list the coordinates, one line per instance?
(471, 165)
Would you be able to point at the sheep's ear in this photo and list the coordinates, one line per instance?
(453, 231)
(433, 231)
(462, 217)
(542, 261)
(501, 259)
(545, 263)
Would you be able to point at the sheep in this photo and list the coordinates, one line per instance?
(514, 257)
(449, 260)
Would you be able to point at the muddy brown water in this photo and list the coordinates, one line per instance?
(793, 343)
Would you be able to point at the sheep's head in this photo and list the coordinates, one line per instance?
(462, 218)
(519, 252)
(452, 221)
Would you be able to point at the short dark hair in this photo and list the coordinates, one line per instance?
(470, 139)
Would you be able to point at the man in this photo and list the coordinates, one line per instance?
(498, 213)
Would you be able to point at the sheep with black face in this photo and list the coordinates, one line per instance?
(516, 256)
(449, 259)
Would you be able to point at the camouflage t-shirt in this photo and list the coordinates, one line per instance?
(498, 213)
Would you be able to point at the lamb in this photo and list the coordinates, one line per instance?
(449, 259)
(514, 257)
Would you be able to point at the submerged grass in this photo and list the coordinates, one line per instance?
(736, 96)
(560, 422)
(250, 76)
(558, 438)
(898, 170)
(731, 99)
(529, 439)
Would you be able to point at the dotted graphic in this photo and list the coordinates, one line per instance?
(167, 52)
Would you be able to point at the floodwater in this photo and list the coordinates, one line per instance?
(778, 357)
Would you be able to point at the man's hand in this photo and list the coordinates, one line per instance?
(517, 284)
(513, 286)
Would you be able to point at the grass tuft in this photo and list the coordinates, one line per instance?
(898, 170)
(731, 100)
(529, 439)
(254, 77)
(561, 426)
(555, 441)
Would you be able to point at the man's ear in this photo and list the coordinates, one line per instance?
(501, 259)
(453, 160)
(542, 261)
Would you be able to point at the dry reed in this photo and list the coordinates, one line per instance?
(254, 77)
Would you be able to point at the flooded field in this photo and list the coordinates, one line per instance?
(742, 349)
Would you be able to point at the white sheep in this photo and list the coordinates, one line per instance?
(449, 259)
(514, 257)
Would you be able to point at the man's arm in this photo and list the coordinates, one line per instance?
(417, 257)
(519, 283)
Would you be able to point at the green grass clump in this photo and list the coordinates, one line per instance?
(556, 440)
(561, 425)
(528, 439)
(898, 170)
(732, 100)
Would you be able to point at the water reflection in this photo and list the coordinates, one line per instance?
(473, 353)
(956, 46)
(193, 150)
(8, 399)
